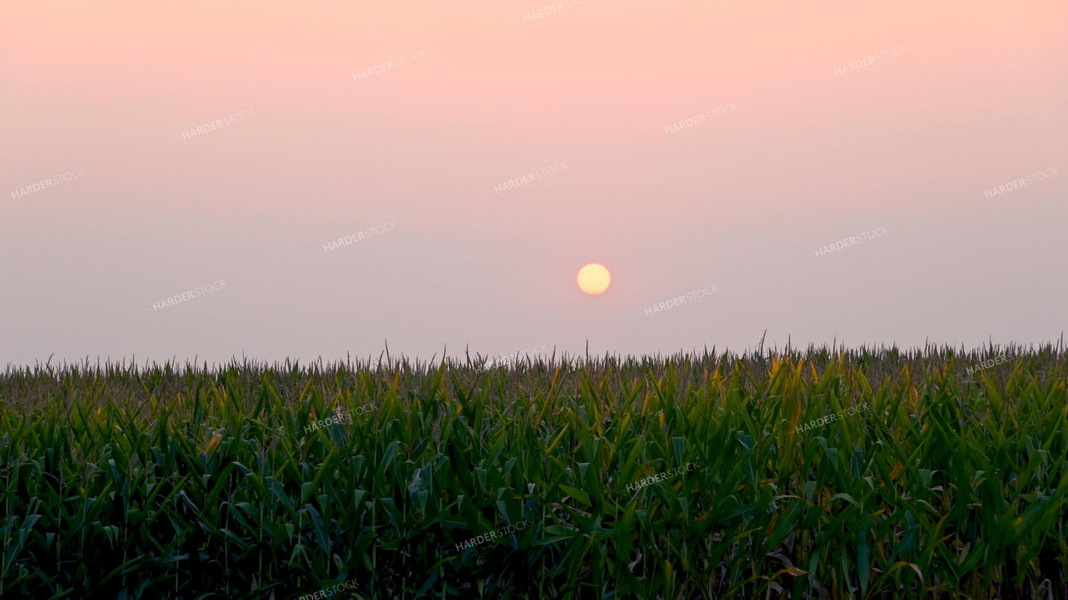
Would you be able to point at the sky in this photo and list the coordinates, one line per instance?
(716, 156)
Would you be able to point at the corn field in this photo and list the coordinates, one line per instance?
(941, 474)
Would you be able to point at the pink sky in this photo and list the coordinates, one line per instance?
(977, 99)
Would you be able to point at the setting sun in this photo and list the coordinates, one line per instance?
(594, 279)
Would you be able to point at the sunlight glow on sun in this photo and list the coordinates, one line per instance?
(594, 279)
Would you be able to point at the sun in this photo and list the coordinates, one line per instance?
(594, 279)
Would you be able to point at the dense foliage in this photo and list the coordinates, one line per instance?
(166, 481)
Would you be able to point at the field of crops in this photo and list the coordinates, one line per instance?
(816, 474)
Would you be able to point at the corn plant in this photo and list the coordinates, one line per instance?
(823, 473)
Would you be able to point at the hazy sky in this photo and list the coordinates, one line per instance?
(804, 142)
